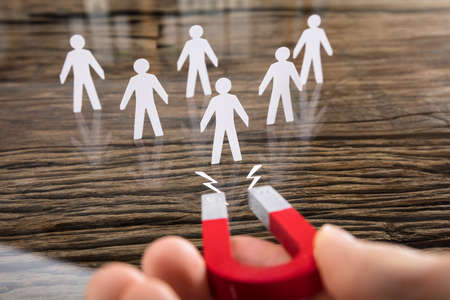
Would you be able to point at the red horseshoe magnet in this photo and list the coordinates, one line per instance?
(230, 280)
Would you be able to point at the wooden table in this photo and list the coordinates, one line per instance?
(369, 150)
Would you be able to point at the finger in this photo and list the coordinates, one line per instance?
(322, 296)
(110, 281)
(354, 269)
(150, 289)
(177, 262)
(268, 253)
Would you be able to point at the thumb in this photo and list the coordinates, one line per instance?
(353, 269)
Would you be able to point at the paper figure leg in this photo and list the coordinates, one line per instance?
(234, 144)
(305, 69)
(92, 94)
(217, 146)
(317, 65)
(204, 79)
(287, 106)
(77, 96)
(192, 77)
(154, 119)
(273, 107)
(139, 123)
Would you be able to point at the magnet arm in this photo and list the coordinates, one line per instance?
(265, 200)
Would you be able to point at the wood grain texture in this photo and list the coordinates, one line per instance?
(369, 150)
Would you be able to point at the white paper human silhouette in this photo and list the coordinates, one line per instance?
(196, 48)
(81, 60)
(224, 105)
(312, 38)
(143, 85)
(281, 72)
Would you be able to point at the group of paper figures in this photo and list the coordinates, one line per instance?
(224, 104)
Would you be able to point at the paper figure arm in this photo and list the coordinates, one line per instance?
(128, 93)
(96, 66)
(240, 111)
(65, 69)
(210, 53)
(326, 43)
(295, 77)
(299, 46)
(184, 54)
(207, 116)
(267, 78)
(160, 90)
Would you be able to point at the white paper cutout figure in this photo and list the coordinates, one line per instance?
(224, 105)
(312, 38)
(143, 85)
(80, 60)
(196, 48)
(281, 72)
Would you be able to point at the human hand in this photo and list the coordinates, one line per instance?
(260, 90)
(173, 269)
(165, 98)
(299, 84)
(203, 124)
(246, 121)
(62, 78)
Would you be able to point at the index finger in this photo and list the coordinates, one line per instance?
(177, 262)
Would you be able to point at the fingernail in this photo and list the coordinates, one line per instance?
(337, 232)
(151, 289)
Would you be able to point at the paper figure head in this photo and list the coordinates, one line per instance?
(314, 21)
(141, 65)
(77, 41)
(223, 85)
(196, 31)
(282, 53)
